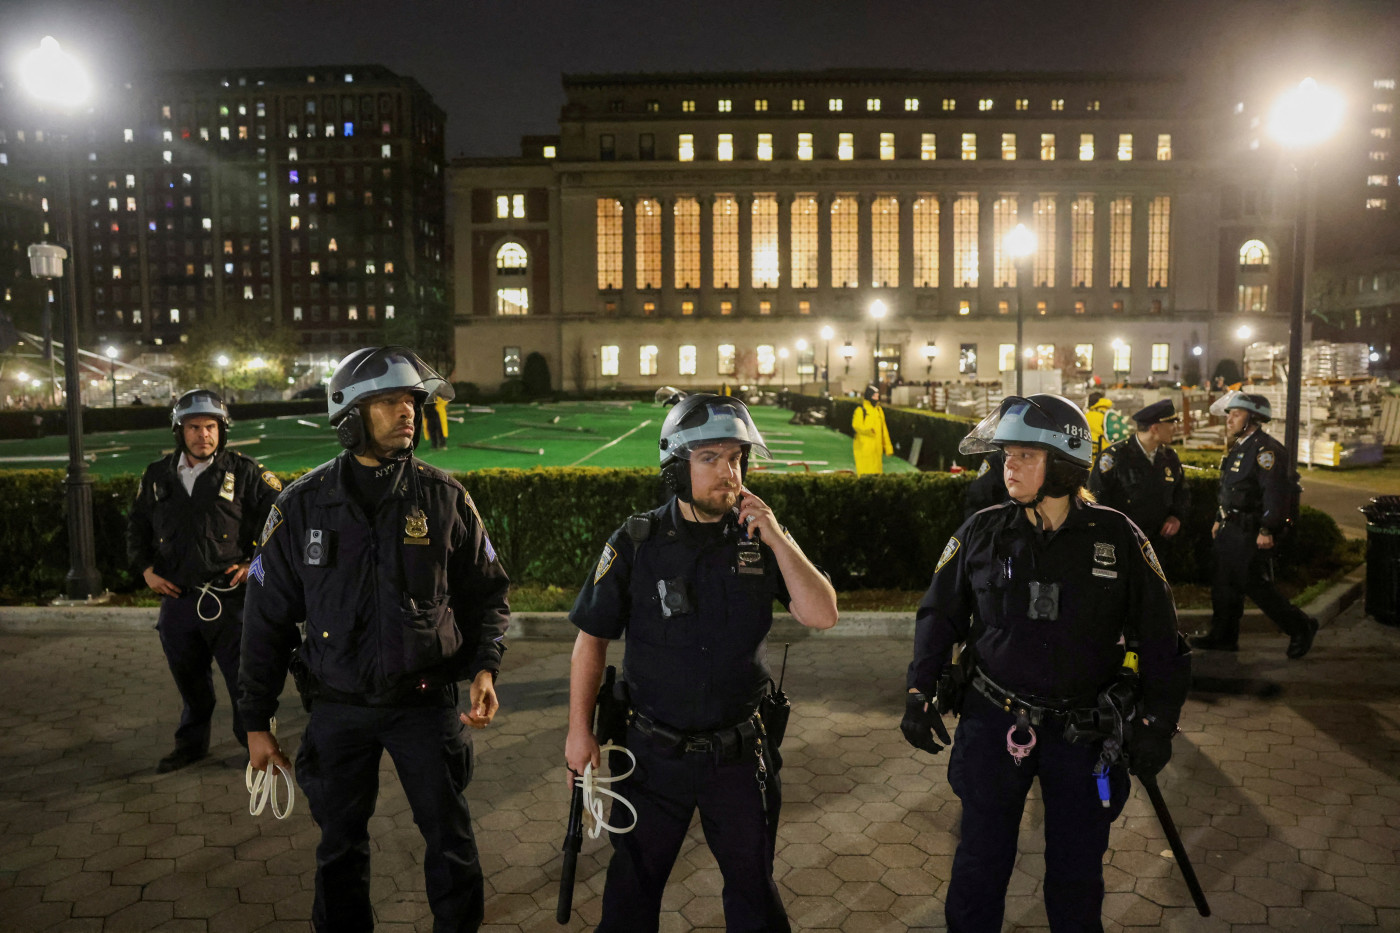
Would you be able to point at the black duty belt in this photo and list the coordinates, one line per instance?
(727, 742)
(1037, 709)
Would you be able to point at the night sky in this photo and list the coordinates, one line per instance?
(494, 66)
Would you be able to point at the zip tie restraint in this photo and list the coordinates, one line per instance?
(212, 591)
(262, 786)
(592, 802)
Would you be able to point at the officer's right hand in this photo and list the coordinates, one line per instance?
(158, 583)
(580, 750)
(262, 748)
(921, 721)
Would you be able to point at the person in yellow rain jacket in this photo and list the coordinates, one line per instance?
(872, 437)
(435, 424)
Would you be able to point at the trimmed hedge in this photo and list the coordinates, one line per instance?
(549, 525)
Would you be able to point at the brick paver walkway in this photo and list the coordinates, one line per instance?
(1284, 784)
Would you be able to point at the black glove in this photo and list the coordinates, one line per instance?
(920, 717)
(1151, 746)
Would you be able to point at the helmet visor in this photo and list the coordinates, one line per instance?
(715, 421)
(980, 439)
(1220, 406)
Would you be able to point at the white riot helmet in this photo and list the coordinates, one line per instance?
(373, 371)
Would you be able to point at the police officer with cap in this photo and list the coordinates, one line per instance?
(190, 535)
(1255, 506)
(1042, 594)
(1141, 476)
(386, 561)
(691, 585)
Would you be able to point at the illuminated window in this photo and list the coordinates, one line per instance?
(845, 241)
(315, 267)
(1120, 242)
(725, 227)
(1023, 103)
(332, 246)
(687, 308)
(1379, 156)
(247, 292)
(969, 146)
(1086, 147)
(685, 147)
(1374, 181)
(760, 105)
(512, 302)
(294, 222)
(726, 359)
(834, 104)
(1383, 84)
(764, 241)
(128, 136)
(646, 360)
(964, 308)
(845, 146)
(1006, 357)
(1057, 104)
(1080, 307)
(928, 147)
(1043, 263)
(550, 152)
(1082, 241)
(1003, 222)
(950, 103)
(292, 154)
(112, 204)
(965, 222)
(765, 147)
(887, 146)
(804, 147)
(799, 104)
(1159, 228)
(884, 241)
(872, 104)
(1161, 357)
(967, 358)
(1092, 105)
(687, 243)
(386, 151)
(609, 243)
(1253, 298)
(984, 104)
(1376, 204)
(911, 104)
(767, 359)
(804, 307)
(1042, 357)
(1164, 147)
(724, 151)
(517, 206)
(725, 105)
(926, 241)
(648, 247)
(1380, 132)
(687, 106)
(1125, 147)
(1008, 146)
(116, 272)
(726, 308)
(686, 361)
(1122, 357)
(502, 206)
(131, 181)
(608, 357)
(1375, 108)
(765, 308)
(804, 241)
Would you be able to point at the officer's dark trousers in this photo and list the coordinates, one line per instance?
(1241, 570)
(993, 791)
(666, 789)
(191, 646)
(338, 767)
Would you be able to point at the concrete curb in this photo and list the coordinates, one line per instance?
(555, 626)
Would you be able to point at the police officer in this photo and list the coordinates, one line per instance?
(1039, 592)
(386, 560)
(190, 535)
(691, 584)
(1255, 506)
(1141, 476)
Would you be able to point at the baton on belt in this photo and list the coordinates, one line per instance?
(604, 714)
(1154, 794)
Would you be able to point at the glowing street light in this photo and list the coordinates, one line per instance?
(1020, 244)
(112, 358)
(222, 361)
(848, 352)
(878, 312)
(930, 351)
(54, 77)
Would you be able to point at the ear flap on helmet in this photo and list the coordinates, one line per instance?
(676, 476)
(351, 431)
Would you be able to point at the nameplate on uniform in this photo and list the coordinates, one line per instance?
(226, 491)
(1106, 574)
(417, 541)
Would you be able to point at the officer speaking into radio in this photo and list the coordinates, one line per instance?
(190, 535)
(386, 561)
(1042, 594)
(691, 584)
(1255, 507)
(1141, 476)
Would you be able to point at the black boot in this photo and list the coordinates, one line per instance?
(1300, 643)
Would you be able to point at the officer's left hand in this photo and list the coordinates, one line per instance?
(484, 703)
(1171, 526)
(755, 515)
(1151, 747)
(237, 573)
(920, 717)
(1264, 541)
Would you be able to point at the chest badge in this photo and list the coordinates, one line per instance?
(415, 526)
(1103, 554)
(1105, 463)
(1167, 475)
(226, 491)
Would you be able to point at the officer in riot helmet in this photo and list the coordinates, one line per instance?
(386, 561)
(691, 585)
(1041, 595)
(1257, 485)
(190, 536)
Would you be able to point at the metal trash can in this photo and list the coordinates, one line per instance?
(1383, 559)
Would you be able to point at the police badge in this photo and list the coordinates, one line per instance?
(226, 491)
(1104, 555)
(416, 527)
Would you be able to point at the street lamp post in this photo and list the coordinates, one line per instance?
(112, 357)
(222, 362)
(1243, 332)
(827, 334)
(57, 79)
(782, 366)
(1020, 243)
(801, 350)
(1303, 118)
(878, 312)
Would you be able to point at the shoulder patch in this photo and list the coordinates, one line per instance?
(274, 518)
(605, 563)
(271, 479)
(982, 470)
(1105, 462)
(949, 550)
(1151, 557)
(1265, 459)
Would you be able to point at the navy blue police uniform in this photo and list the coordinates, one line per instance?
(403, 596)
(191, 539)
(1147, 489)
(1256, 488)
(1111, 588)
(695, 672)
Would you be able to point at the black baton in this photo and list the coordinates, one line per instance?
(573, 841)
(1154, 794)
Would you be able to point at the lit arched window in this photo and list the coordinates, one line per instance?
(511, 259)
(1254, 253)
(512, 295)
